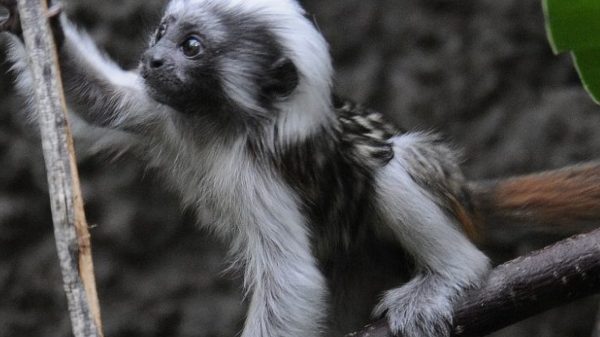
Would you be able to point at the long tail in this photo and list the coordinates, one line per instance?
(563, 199)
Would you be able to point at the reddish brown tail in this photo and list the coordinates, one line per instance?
(564, 197)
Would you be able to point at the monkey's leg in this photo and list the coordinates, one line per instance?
(447, 262)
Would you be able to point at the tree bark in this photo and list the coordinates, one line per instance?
(523, 287)
(70, 226)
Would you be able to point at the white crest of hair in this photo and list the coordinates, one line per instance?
(309, 107)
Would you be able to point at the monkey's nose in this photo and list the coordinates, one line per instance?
(156, 62)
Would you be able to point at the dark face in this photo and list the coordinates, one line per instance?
(217, 65)
(178, 67)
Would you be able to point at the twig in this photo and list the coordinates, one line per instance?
(521, 288)
(70, 227)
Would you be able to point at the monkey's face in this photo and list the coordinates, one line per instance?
(178, 66)
(211, 62)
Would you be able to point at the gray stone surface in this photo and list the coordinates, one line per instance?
(480, 72)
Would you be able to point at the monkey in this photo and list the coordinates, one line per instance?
(333, 215)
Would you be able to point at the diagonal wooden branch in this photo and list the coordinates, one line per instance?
(521, 288)
(70, 227)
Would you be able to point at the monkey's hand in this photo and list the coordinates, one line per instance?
(12, 23)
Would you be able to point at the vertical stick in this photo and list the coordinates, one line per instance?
(70, 227)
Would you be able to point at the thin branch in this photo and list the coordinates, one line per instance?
(70, 227)
(523, 287)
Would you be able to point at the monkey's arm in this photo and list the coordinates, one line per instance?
(100, 91)
(95, 87)
(562, 199)
(289, 293)
(288, 290)
(89, 139)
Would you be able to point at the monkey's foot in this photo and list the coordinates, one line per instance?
(420, 308)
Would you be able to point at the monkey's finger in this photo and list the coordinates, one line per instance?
(54, 11)
(53, 15)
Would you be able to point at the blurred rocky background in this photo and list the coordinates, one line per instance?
(479, 71)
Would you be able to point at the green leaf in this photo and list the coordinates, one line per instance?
(572, 24)
(587, 63)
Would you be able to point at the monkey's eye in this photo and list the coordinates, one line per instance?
(162, 29)
(192, 47)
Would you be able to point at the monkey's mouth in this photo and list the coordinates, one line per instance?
(163, 89)
(157, 95)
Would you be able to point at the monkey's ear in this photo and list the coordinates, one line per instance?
(282, 79)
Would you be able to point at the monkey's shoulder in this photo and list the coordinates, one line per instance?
(364, 134)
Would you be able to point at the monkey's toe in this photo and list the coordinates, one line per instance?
(414, 310)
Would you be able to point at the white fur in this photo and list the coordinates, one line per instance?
(424, 228)
(18, 58)
(97, 61)
(91, 140)
(254, 210)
